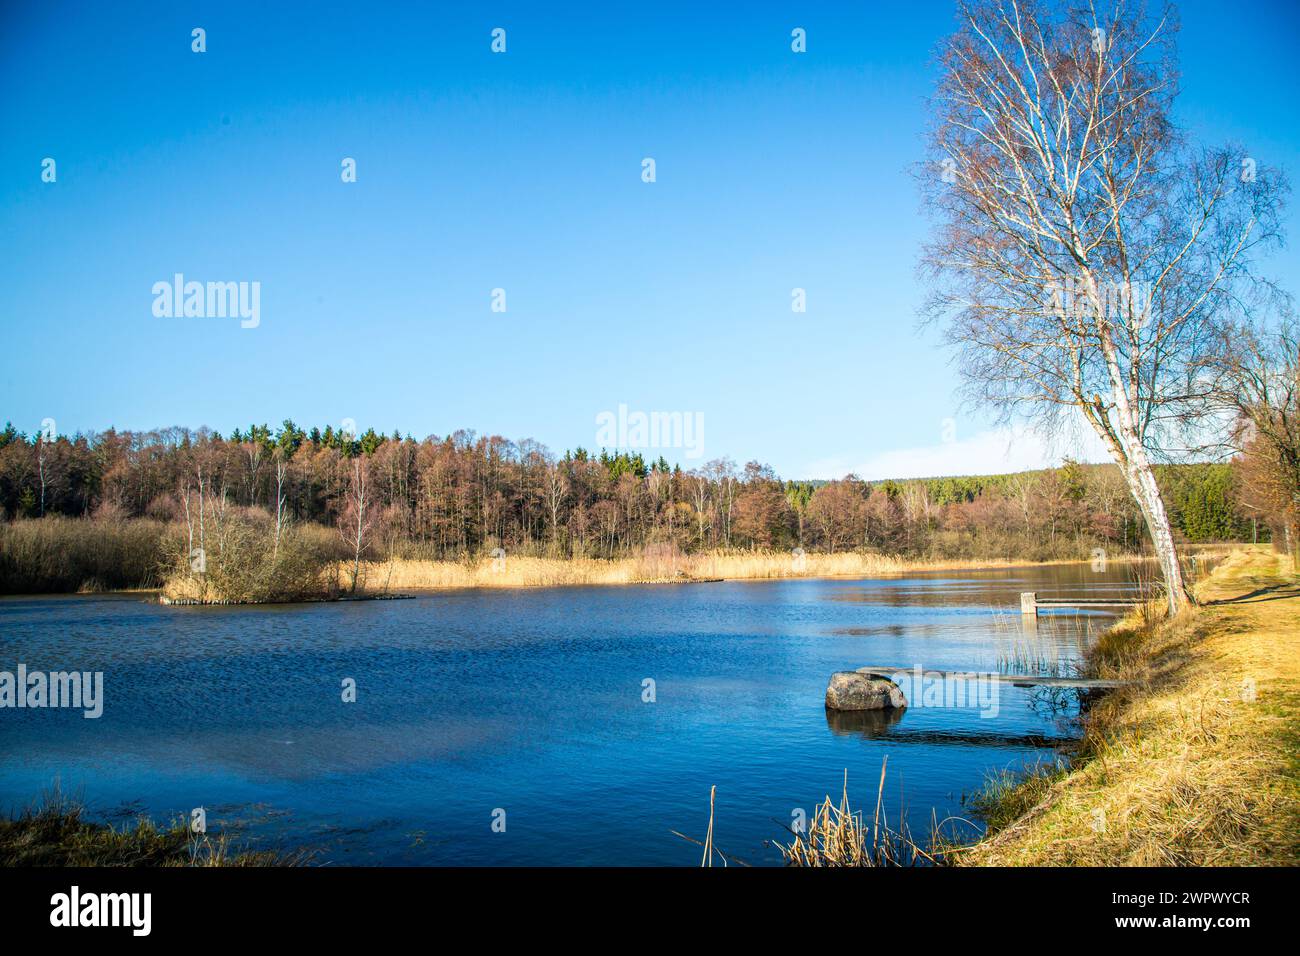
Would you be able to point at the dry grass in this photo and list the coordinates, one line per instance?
(402, 574)
(1196, 762)
(516, 572)
(56, 833)
(525, 571)
(58, 554)
(245, 573)
(837, 835)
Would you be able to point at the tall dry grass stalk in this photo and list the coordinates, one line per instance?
(707, 860)
(711, 851)
(838, 835)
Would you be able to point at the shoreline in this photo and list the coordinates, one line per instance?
(1198, 748)
(403, 577)
(387, 580)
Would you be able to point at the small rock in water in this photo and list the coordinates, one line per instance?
(852, 690)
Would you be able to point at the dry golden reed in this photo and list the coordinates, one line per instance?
(516, 572)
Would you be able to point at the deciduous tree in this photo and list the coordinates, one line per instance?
(1085, 251)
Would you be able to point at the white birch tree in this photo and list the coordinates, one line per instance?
(1084, 251)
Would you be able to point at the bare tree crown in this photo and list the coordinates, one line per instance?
(1085, 249)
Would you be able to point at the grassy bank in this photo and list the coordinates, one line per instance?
(56, 833)
(1196, 761)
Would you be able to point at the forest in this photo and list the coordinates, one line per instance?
(464, 495)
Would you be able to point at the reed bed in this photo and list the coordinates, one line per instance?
(58, 554)
(248, 579)
(837, 835)
(655, 566)
(515, 572)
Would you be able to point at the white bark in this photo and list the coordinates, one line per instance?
(280, 469)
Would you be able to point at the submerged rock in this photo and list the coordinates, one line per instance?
(854, 690)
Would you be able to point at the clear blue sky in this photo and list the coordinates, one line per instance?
(520, 171)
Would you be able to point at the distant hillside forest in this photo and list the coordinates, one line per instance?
(462, 495)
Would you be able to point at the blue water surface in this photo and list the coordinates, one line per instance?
(532, 702)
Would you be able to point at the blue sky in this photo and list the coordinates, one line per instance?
(519, 171)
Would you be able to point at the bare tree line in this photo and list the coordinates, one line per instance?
(466, 495)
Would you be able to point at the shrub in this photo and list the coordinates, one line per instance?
(241, 561)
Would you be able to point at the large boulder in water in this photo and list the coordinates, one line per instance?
(855, 690)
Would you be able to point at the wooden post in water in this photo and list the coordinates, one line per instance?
(1029, 602)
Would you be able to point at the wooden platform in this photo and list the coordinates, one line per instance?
(1030, 603)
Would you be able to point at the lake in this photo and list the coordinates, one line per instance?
(532, 702)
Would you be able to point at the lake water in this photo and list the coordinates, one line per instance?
(531, 702)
